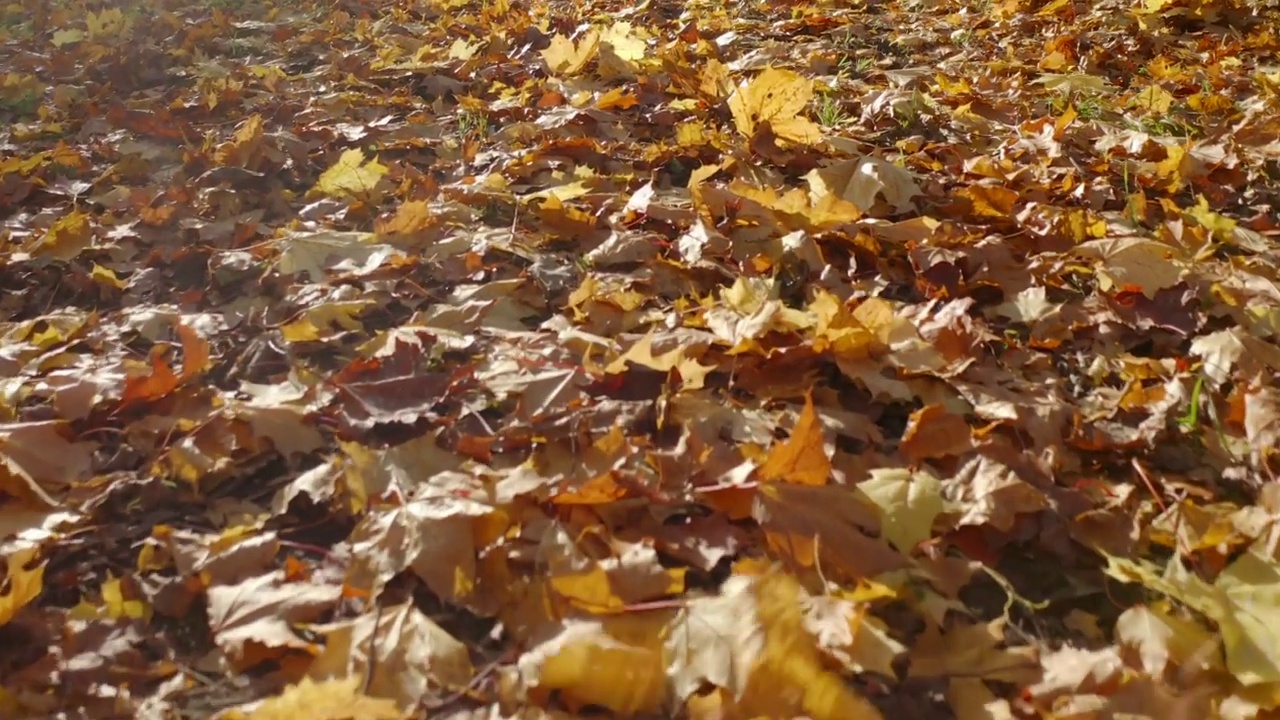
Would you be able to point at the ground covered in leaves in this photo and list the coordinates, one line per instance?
(398, 359)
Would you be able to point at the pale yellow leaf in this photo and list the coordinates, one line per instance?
(351, 176)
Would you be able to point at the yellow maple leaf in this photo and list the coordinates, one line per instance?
(114, 605)
(564, 57)
(1222, 227)
(318, 322)
(351, 176)
(616, 664)
(243, 144)
(909, 502)
(411, 217)
(22, 585)
(1153, 98)
(837, 330)
(621, 51)
(339, 699)
(775, 97)
(692, 373)
(461, 49)
(69, 235)
(790, 676)
(107, 24)
(990, 201)
(589, 590)
(106, 277)
(67, 37)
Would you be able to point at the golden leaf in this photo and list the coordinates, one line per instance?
(69, 235)
(801, 458)
(327, 700)
(351, 176)
(564, 57)
(22, 585)
(775, 97)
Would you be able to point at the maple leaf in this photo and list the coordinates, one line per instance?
(565, 57)
(436, 537)
(252, 620)
(973, 650)
(774, 98)
(393, 389)
(802, 458)
(862, 181)
(351, 176)
(334, 699)
(692, 373)
(322, 252)
(621, 50)
(69, 236)
(909, 501)
(37, 461)
(22, 583)
(414, 656)
(410, 217)
(1240, 601)
(827, 528)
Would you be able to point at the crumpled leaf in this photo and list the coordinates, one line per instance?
(400, 654)
(862, 182)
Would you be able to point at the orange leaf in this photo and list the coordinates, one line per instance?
(932, 432)
(801, 459)
(413, 216)
(160, 382)
(195, 353)
(596, 491)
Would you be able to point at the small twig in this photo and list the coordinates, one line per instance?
(304, 547)
(1146, 479)
(373, 646)
(199, 676)
(475, 682)
(97, 430)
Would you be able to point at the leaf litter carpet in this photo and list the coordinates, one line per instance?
(913, 359)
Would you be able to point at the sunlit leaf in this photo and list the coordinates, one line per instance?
(802, 458)
(22, 584)
(351, 176)
(775, 97)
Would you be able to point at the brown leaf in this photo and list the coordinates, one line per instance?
(37, 462)
(826, 528)
(399, 653)
(253, 620)
(395, 388)
(932, 432)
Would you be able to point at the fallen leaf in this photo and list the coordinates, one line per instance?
(351, 176)
(334, 699)
(22, 584)
(908, 501)
(802, 458)
(398, 653)
(775, 98)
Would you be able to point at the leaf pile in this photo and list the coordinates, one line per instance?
(382, 359)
